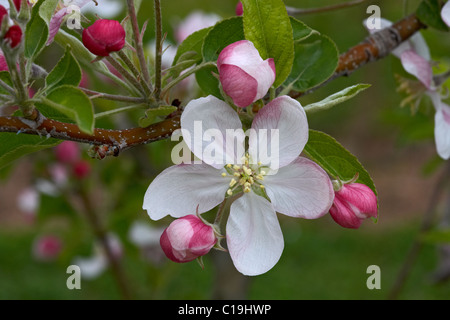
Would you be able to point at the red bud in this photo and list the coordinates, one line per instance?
(14, 34)
(104, 37)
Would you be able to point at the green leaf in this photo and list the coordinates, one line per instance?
(13, 146)
(73, 103)
(151, 114)
(336, 98)
(6, 77)
(437, 236)
(208, 82)
(221, 35)
(335, 159)
(267, 25)
(316, 59)
(193, 42)
(67, 71)
(300, 30)
(429, 13)
(36, 34)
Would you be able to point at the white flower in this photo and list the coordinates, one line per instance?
(441, 126)
(299, 188)
(195, 21)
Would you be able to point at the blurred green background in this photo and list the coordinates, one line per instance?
(321, 260)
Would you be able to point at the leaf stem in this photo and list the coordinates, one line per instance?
(158, 49)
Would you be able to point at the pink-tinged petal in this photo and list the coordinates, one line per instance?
(179, 190)
(279, 133)
(418, 67)
(442, 131)
(254, 237)
(244, 56)
(362, 199)
(420, 46)
(239, 85)
(343, 214)
(205, 123)
(301, 189)
(55, 24)
(445, 13)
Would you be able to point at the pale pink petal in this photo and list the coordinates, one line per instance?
(239, 85)
(418, 67)
(55, 24)
(180, 190)
(445, 13)
(420, 46)
(209, 126)
(302, 189)
(279, 133)
(442, 131)
(254, 236)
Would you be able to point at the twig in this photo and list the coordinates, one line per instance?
(158, 50)
(114, 97)
(138, 42)
(427, 222)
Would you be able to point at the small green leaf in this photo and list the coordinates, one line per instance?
(208, 82)
(16, 145)
(36, 34)
(336, 98)
(67, 71)
(267, 25)
(221, 35)
(316, 59)
(151, 114)
(429, 13)
(335, 159)
(300, 30)
(193, 42)
(73, 103)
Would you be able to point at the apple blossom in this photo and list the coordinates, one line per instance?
(353, 203)
(299, 188)
(244, 75)
(104, 37)
(193, 22)
(187, 239)
(445, 13)
(67, 152)
(441, 125)
(47, 248)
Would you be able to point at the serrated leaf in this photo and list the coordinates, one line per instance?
(73, 103)
(316, 59)
(429, 13)
(66, 72)
(151, 114)
(336, 98)
(14, 146)
(221, 35)
(267, 25)
(335, 159)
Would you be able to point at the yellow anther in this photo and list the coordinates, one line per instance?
(229, 165)
(259, 163)
(259, 177)
(247, 171)
(232, 182)
(262, 186)
(224, 174)
(247, 185)
(262, 172)
(250, 179)
(236, 167)
(242, 181)
(236, 174)
(229, 192)
(247, 190)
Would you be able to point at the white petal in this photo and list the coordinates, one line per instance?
(442, 131)
(301, 189)
(417, 66)
(205, 124)
(420, 46)
(143, 234)
(106, 9)
(445, 13)
(91, 267)
(254, 236)
(178, 190)
(279, 133)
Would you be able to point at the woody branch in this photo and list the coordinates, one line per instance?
(373, 48)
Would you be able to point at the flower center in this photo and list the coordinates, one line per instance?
(244, 177)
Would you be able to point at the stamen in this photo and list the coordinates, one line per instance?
(224, 174)
(232, 182)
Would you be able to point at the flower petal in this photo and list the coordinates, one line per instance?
(205, 123)
(418, 67)
(55, 24)
(279, 133)
(442, 131)
(445, 13)
(239, 85)
(302, 189)
(178, 190)
(254, 236)
(91, 267)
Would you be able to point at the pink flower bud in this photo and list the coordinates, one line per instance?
(244, 75)
(67, 152)
(17, 4)
(239, 9)
(3, 13)
(187, 238)
(14, 34)
(353, 203)
(47, 248)
(82, 169)
(103, 37)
